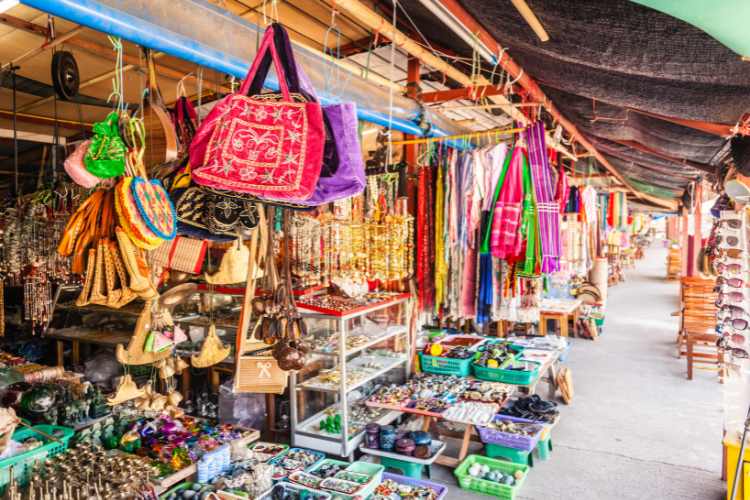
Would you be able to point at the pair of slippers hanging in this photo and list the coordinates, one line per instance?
(565, 384)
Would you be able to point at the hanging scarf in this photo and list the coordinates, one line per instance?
(441, 266)
(487, 239)
(506, 240)
(548, 212)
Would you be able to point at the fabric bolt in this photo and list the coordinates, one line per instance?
(547, 210)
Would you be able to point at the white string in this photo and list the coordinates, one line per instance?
(390, 93)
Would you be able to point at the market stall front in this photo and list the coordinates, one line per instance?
(235, 232)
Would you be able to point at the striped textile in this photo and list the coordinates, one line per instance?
(548, 211)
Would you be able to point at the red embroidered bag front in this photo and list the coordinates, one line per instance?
(259, 145)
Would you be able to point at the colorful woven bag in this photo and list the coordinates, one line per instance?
(130, 217)
(105, 157)
(155, 207)
(264, 144)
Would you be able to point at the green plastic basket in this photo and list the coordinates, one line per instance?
(483, 487)
(23, 462)
(508, 376)
(186, 485)
(375, 470)
(446, 366)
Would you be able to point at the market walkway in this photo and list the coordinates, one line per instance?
(637, 428)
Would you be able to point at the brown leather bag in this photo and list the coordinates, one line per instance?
(89, 236)
(76, 224)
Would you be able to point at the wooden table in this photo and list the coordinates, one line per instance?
(560, 310)
(548, 371)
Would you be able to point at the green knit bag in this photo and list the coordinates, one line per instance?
(105, 157)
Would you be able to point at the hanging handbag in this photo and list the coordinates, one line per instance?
(76, 169)
(262, 145)
(183, 254)
(207, 216)
(343, 171)
(105, 157)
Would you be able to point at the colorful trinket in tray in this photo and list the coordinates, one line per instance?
(305, 479)
(355, 477)
(340, 486)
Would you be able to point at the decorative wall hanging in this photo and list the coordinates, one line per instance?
(136, 354)
(233, 267)
(212, 352)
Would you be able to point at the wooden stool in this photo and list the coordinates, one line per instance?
(513, 455)
(544, 447)
(560, 319)
(409, 469)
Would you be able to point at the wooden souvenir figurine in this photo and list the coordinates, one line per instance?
(213, 351)
(134, 354)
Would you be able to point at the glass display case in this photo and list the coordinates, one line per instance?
(352, 355)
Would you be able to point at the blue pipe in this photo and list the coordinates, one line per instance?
(113, 22)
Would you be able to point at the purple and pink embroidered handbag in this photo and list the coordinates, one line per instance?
(343, 171)
(260, 146)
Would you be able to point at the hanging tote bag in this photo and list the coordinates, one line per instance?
(343, 170)
(258, 145)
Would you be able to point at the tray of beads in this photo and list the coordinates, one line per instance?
(391, 399)
(287, 464)
(263, 452)
(487, 392)
(340, 486)
(342, 306)
(473, 412)
(307, 457)
(429, 407)
(355, 477)
(305, 479)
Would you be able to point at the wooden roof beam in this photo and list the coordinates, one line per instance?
(467, 93)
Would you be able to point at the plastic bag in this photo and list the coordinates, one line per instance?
(102, 367)
(243, 409)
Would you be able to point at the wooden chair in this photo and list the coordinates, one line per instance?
(674, 265)
(627, 258)
(697, 333)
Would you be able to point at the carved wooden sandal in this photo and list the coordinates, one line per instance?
(83, 299)
(128, 295)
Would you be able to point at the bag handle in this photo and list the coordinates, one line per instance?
(259, 72)
(286, 56)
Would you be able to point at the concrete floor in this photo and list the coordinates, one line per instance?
(636, 428)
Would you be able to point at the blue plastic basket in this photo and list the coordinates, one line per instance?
(439, 488)
(23, 462)
(566, 353)
(446, 366)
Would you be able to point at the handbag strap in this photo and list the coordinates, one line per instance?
(259, 73)
(286, 56)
